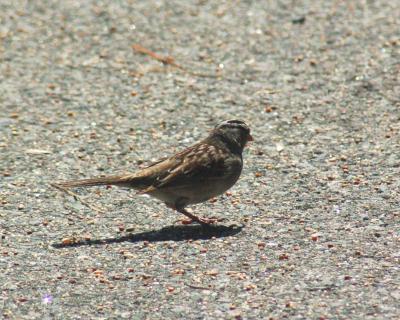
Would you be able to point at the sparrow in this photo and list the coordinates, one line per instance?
(194, 175)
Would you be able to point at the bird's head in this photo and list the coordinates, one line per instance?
(235, 133)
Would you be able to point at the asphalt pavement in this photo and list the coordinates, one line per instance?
(310, 231)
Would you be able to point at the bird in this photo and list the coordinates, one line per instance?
(196, 174)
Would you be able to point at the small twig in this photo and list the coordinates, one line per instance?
(267, 90)
(168, 60)
(165, 60)
(197, 287)
(78, 198)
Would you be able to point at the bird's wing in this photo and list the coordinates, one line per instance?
(201, 162)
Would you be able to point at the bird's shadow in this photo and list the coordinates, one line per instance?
(170, 233)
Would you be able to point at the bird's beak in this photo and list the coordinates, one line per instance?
(250, 138)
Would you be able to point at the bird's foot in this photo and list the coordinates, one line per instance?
(202, 221)
(193, 218)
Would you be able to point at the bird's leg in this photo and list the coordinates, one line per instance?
(192, 217)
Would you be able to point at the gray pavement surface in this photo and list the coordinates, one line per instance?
(311, 229)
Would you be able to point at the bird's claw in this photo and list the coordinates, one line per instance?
(203, 221)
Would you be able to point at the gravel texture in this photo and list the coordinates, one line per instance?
(311, 229)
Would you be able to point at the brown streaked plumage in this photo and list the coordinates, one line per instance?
(194, 175)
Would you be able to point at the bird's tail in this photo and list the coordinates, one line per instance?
(122, 181)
